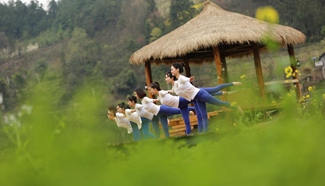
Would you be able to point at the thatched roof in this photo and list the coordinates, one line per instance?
(215, 26)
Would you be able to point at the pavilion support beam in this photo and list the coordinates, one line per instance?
(293, 64)
(217, 58)
(258, 69)
(219, 65)
(225, 75)
(187, 67)
(147, 69)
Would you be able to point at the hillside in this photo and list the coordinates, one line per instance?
(92, 43)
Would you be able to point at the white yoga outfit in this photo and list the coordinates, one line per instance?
(167, 99)
(134, 117)
(150, 106)
(184, 88)
(143, 112)
(121, 121)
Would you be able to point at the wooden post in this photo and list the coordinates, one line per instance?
(293, 64)
(224, 70)
(187, 68)
(219, 64)
(217, 58)
(147, 69)
(258, 69)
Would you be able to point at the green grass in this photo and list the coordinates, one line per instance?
(69, 147)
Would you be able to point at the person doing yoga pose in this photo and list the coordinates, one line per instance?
(184, 88)
(145, 116)
(173, 101)
(119, 119)
(134, 120)
(159, 110)
(170, 79)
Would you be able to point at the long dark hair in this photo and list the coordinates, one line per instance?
(155, 85)
(140, 92)
(179, 66)
(170, 75)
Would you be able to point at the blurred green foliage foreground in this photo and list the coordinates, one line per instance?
(47, 146)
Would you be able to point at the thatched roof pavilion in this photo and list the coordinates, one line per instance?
(212, 36)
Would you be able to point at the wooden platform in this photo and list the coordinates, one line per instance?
(177, 125)
(248, 99)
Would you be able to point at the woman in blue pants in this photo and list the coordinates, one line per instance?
(145, 116)
(168, 100)
(135, 122)
(159, 110)
(184, 88)
(173, 101)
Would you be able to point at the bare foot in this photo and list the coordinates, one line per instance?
(237, 83)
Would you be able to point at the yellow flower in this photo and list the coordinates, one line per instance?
(307, 96)
(288, 71)
(297, 72)
(233, 103)
(310, 88)
(268, 14)
(242, 76)
(274, 102)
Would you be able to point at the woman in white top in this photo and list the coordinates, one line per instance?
(173, 101)
(144, 115)
(184, 88)
(122, 108)
(170, 79)
(159, 110)
(118, 119)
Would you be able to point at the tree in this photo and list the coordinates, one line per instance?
(33, 19)
(3, 45)
(80, 56)
(155, 34)
(181, 11)
(154, 22)
(124, 83)
(53, 9)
